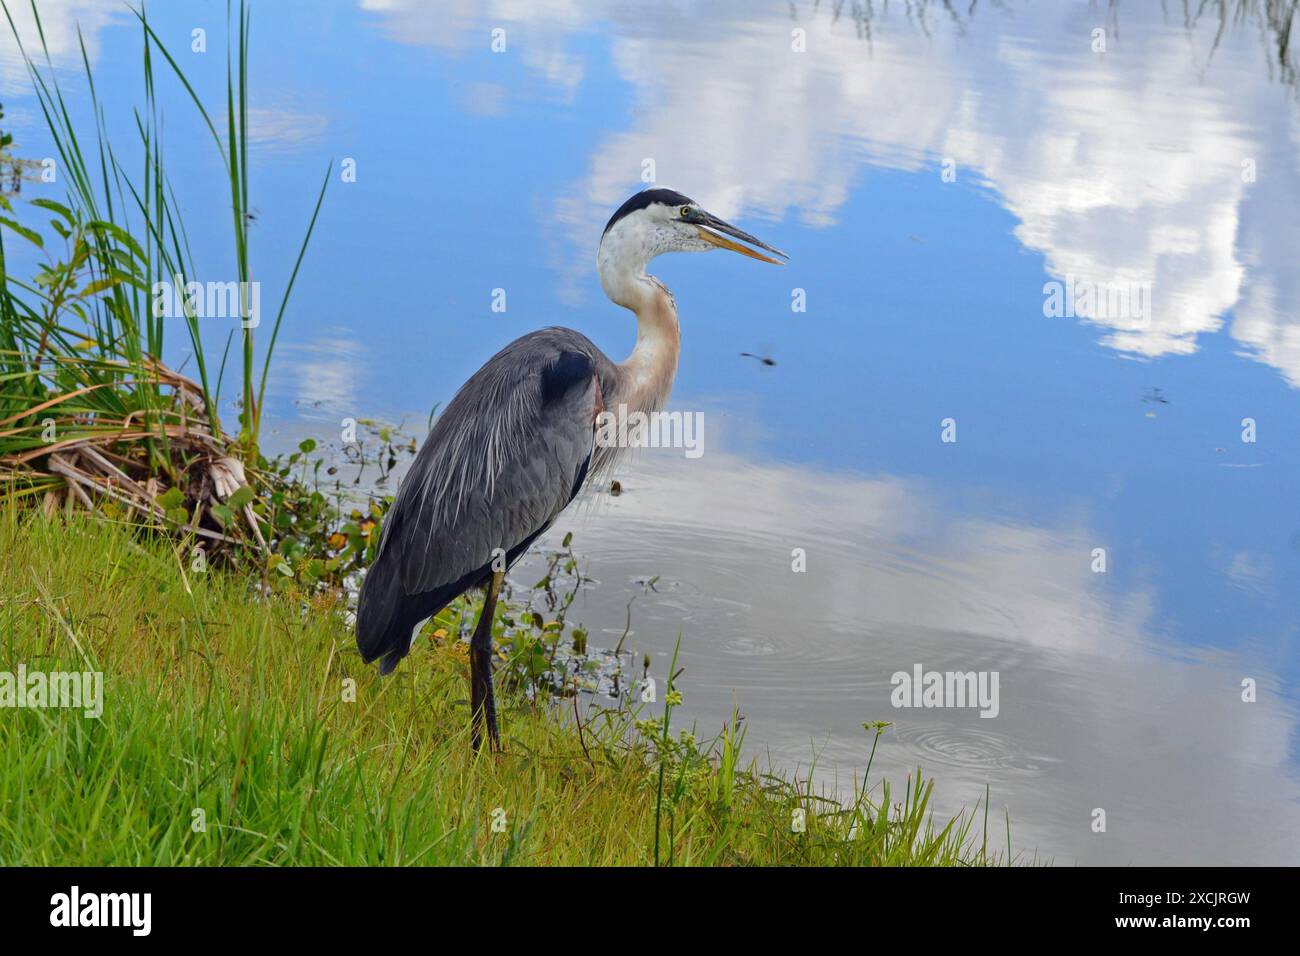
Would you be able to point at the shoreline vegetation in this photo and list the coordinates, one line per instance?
(238, 730)
(208, 588)
(91, 416)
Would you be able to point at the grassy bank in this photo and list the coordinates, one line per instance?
(232, 734)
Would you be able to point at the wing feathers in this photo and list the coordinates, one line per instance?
(510, 451)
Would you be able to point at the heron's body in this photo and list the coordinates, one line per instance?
(517, 443)
(473, 489)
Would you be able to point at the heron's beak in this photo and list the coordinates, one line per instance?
(711, 231)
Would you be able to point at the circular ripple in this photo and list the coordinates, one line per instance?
(750, 647)
(970, 748)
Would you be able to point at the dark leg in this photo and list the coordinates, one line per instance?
(482, 702)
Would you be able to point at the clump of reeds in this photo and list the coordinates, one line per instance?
(90, 415)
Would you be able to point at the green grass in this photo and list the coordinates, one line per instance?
(237, 706)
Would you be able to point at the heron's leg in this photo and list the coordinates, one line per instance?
(482, 701)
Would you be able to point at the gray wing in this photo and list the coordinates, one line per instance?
(510, 451)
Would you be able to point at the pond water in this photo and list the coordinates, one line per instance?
(1114, 531)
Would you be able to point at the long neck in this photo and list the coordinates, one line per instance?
(646, 378)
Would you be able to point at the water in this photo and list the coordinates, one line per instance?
(1168, 163)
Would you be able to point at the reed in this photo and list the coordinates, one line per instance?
(91, 417)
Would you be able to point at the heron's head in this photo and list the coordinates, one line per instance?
(655, 221)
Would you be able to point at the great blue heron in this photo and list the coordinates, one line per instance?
(518, 441)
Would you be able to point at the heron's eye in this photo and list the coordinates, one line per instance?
(686, 211)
